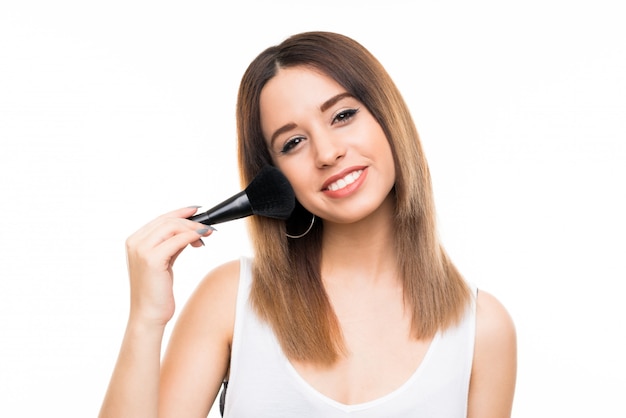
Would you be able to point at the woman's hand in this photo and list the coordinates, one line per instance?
(151, 253)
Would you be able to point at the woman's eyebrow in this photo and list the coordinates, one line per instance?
(282, 129)
(333, 100)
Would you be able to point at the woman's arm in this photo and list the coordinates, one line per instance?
(134, 385)
(494, 369)
(151, 253)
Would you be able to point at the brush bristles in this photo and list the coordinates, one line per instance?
(270, 194)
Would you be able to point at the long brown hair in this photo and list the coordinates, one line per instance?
(287, 290)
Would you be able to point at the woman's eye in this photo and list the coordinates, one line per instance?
(344, 115)
(291, 144)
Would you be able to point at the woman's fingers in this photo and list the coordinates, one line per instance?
(177, 242)
(163, 238)
(160, 248)
(180, 214)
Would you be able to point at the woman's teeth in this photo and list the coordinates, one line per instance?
(348, 179)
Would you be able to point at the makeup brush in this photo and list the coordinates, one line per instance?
(269, 194)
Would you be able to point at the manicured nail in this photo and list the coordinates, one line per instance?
(201, 242)
(203, 231)
(194, 207)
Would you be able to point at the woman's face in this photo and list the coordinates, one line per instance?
(328, 145)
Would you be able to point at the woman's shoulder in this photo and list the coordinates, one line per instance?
(220, 283)
(228, 271)
(210, 309)
(215, 297)
(492, 318)
(495, 330)
(495, 359)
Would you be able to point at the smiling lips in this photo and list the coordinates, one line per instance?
(344, 183)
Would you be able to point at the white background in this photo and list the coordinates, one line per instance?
(114, 112)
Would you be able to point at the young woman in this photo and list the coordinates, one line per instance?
(351, 307)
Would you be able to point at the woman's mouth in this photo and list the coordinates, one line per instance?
(344, 181)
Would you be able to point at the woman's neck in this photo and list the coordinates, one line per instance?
(363, 250)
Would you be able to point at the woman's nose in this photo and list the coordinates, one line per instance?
(328, 150)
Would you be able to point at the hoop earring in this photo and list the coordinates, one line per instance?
(305, 232)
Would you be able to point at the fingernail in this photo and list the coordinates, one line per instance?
(203, 231)
(201, 242)
(194, 207)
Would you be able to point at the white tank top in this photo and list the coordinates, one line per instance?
(263, 383)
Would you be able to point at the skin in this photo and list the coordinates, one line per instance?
(316, 135)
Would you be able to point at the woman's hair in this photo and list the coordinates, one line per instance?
(287, 290)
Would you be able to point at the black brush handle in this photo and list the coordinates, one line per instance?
(238, 206)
